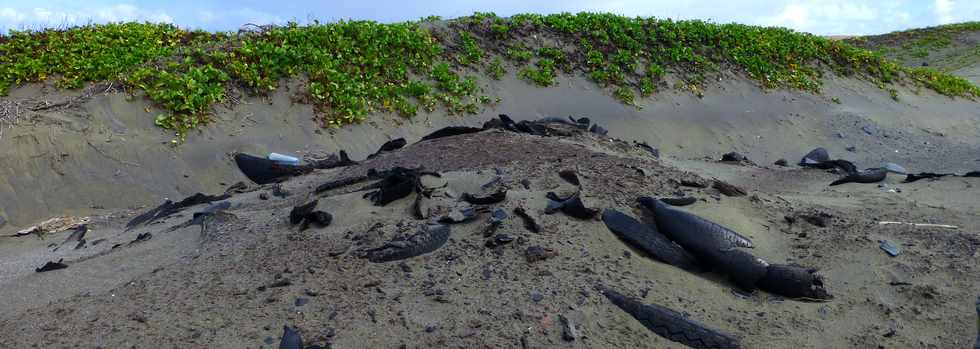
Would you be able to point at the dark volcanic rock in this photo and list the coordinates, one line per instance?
(49, 266)
(734, 157)
(728, 189)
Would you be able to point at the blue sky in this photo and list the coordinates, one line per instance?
(825, 17)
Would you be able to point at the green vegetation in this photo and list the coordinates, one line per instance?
(937, 45)
(543, 75)
(519, 54)
(496, 69)
(355, 68)
(916, 43)
(610, 48)
(471, 51)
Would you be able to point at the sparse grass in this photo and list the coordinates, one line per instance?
(624, 94)
(543, 75)
(471, 51)
(355, 68)
(496, 69)
(935, 44)
(519, 54)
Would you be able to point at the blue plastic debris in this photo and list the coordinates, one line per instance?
(891, 249)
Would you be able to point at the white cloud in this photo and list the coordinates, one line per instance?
(11, 15)
(42, 14)
(248, 15)
(793, 15)
(944, 11)
(825, 16)
(41, 17)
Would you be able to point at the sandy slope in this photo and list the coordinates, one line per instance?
(200, 288)
(105, 152)
(960, 57)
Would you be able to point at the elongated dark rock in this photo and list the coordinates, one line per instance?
(599, 130)
(815, 157)
(264, 171)
(570, 176)
(529, 222)
(49, 266)
(340, 183)
(494, 198)
(150, 215)
(319, 218)
(575, 208)
(450, 131)
(78, 234)
(334, 161)
(912, 177)
(794, 281)
(646, 238)
(681, 201)
(168, 208)
(545, 127)
(672, 325)
(691, 231)
(717, 246)
(298, 213)
(711, 243)
(572, 206)
(819, 158)
(503, 121)
(397, 184)
(972, 174)
(873, 175)
(643, 145)
(428, 239)
(843, 165)
(582, 123)
(199, 198)
(290, 339)
(237, 188)
(728, 189)
(976, 345)
(393, 144)
(740, 266)
(212, 209)
(734, 157)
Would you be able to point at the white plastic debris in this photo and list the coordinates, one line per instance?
(896, 168)
(283, 159)
(923, 225)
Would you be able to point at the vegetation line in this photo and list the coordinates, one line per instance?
(354, 68)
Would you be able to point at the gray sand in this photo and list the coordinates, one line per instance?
(106, 153)
(201, 289)
(190, 287)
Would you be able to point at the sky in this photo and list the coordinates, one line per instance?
(823, 17)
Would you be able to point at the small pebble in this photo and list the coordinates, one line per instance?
(536, 296)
